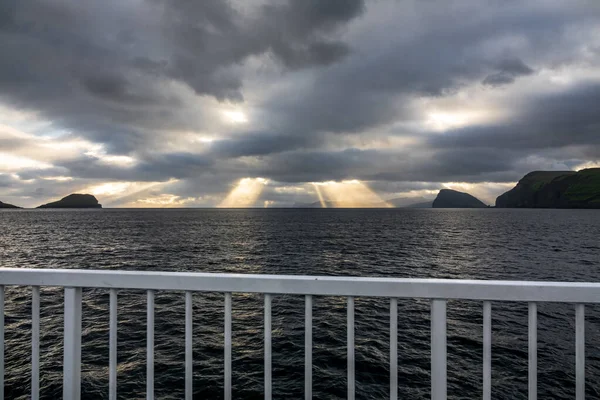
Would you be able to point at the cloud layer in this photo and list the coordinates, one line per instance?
(156, 103)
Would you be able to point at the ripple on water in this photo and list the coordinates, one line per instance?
(479, 244)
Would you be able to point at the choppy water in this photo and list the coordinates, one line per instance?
(481, 244)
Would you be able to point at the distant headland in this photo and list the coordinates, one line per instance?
(5, 205)
(448, 198)
(74, 201)
(554, 189)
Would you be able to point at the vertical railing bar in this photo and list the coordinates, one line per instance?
(1, 342)
(532, 351)
(393, 349)
(308, 347)
(189, 352)
(112, 378)
(35, 342)
(487, 350)
(268, 378)
(150, 346)
(72, 345)
(227, 386)
(438, 350)
(351, 383)
(579, 352)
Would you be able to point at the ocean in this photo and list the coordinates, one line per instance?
(546, 245)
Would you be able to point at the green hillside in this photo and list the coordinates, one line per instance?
(555, 189)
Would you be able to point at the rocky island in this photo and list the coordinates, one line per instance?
(554, 189)
(448, 198)
(74, 201)
(6, 205)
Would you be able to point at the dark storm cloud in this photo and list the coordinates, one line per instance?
(507, 72)
(133, 76)
(375, 85)
(154, 167)
(307, 20)
(98, 68)
(117, 89)
(557, 120)
(260, 143)
(467, 165)
(7, 181)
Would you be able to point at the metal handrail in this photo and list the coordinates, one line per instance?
(437, 290)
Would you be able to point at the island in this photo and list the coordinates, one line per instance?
(448, 198)
(554, 189)
(74, 201)
(410, 202)
(6, 205)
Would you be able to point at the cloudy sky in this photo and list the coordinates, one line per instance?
(177, 103)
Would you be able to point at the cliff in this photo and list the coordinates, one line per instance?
(554, 189)
(5, 205)
(448, 198)
(74, 201)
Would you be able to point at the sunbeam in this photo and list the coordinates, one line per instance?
(244, 194)
(321, 200)
(351, 194)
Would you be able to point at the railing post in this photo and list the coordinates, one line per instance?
(72, 349)
(487, 350)
(393, 349)
(1, 342)
(438, 350)
(532, 351)
(308, 347)
(227, 387)
(268, 341)
(579, 352)
(35, 343)
(150, 346)
(189, 347)
(112, 346)
(350, 344)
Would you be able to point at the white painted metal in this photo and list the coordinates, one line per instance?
(308, 348)
(1, 342)
(350, 345)
(227, 346)
(566, 292)
(150, 346)
(35, 343)
(580, 352)
(438, 350)
(487, 350)
(189, 351)
(112, 369)
(532, 351)
(438, 290)
(268, 379)
(72, 349)
(393, 349)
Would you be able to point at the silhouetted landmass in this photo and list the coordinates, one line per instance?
(554, 189)
(6, 205)
(74, 201)
(409, 202)
(425, 204)
(448, 198)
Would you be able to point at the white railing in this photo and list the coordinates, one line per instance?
(437, 290)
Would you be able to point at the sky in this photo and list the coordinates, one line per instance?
(273, 103)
